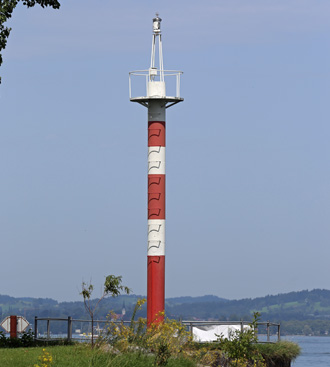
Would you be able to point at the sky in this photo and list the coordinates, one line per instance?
(248, 153)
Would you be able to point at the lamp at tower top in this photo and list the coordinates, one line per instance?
(157, 80)
(156, 24)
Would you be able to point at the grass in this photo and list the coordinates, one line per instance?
(81, 356)
(277, 354)
(77, 355)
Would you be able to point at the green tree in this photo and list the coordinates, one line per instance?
(112, 287)
(6, 10)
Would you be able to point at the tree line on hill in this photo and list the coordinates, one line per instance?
(304, 312)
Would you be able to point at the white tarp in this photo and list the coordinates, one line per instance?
(209, 333)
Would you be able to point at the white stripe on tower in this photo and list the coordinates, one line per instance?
(156, 237)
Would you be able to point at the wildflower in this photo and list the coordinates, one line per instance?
(45, 359)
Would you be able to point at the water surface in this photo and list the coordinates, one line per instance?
(315, 350)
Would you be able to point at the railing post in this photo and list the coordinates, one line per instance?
(279, 332)
(35, 327)
(268, 332)
(48, 329)
(69, 328)
(13, 326)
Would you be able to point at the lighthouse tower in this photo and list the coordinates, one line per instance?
(156, 100)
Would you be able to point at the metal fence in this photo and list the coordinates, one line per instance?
(69, 320)
(190, 324)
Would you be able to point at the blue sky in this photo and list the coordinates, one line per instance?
(248, 200)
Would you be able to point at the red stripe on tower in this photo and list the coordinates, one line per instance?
(156, 196)
(156, 133)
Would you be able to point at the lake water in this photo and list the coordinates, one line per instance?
(315, 351)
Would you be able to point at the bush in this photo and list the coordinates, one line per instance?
(169, 343)
(27, 340)
(280, 353)
(163, 340)
(240, 348)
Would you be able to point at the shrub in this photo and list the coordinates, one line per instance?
(25, 340)
(164, 340)
(280, 353)
(240, 348)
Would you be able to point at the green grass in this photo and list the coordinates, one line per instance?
(80, 356)
(279, 352)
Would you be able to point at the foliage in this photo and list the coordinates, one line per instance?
(170, 341)
(123, 336)
(112, 286)
(240, 348)
(164, 340)
(306, 327)
(6, 10)
(26, 339)
(45, 359)
(279, 353)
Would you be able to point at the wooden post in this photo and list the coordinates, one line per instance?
(69, 328)
(13, 326)
(48, 329)
(279, 332)
(268, 332)
(35, 327)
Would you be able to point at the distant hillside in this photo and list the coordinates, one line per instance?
(184, 300)
(301, 306)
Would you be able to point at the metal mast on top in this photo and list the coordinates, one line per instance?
(157, 33)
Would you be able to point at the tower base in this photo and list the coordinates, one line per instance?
(156, 291)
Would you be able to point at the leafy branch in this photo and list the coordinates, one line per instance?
(6, 10)
(112, 286)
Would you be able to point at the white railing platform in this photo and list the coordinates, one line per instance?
(150, 84)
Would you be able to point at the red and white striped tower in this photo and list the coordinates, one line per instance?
(157, 102)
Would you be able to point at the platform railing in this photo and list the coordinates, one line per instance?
(168, 75)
